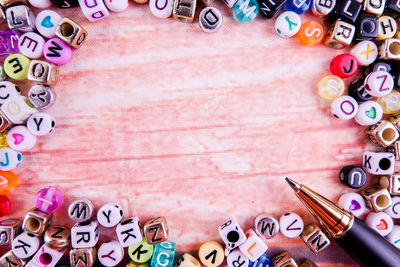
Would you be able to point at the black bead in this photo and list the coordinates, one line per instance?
(367, 28)
(353, 176)
(269, 8)
(65, 3)
(358, 92)
(393, 5)
(379, 65)
(349, 10)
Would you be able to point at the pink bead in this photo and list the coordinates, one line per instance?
(5, 205)
(56, 51)
(48, 199)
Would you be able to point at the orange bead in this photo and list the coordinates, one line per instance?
(8, 181)
(311, 33)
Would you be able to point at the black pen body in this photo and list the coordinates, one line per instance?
(367, 247)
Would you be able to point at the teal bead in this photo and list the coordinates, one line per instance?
(164, 254)
(245, 10)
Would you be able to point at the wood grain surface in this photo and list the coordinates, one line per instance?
(167, 120)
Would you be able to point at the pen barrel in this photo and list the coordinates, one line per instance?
(367, 247)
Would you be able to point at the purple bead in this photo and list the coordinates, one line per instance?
(48, 199)
(56, 51)
(8, 42)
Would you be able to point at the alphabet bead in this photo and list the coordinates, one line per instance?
(390, 49)
(380, 222)
(352, 202)
(263, 261)
(287, 24)
(25, 245)
(84, 234)
(211, 254)
(266, 226)
(5, 124)
(20, 139)
(42, 72)
(298, 6)
(71, 32)
(390, 103)
(369, 113)
(387, 28)
(367, 28)
(184, 10)
(65, 3)
(254, 247)
(161, 8)
(378, 162)
(5, 205)
(310, 33)
(394, 210)
(20, 18)
(291, 225)
(81, 210)
(46, 23)
(57, 236)
(164, 254)
(340, 35)
(377, 198)
(187, 260)
(46, 256)
(40, 3)
(8, 90)
(82, 257)
(237, 258)
(231, 233)
(379, 83)
(116, 6)
(156, 230)
(17, 109)
(353, 176)
(128, 232)
(391, 183)
(322, 8)
(269, 8)
(110, 253)
(377, 66)
(395, 119)
(314, 238)
(40, 124)
(94, 10)
(349, 9)
(36, 221)
(9, 159)
(57, 52)
(382, 133)
(365, 52)
(394, 236)
(9, 229)
(210, 19)
(9, 42)
(344, 65)
(245, 11)
(31, 44)
(48, 199)
(141, 252)
(374, 7)
(10, 260)
(8, 181)
(16, 66)
(230, 3)
(41, 96)
(284, 259)
(110, 214)
(394, 149)
(344, 107)
(308, 263)
(331, 87)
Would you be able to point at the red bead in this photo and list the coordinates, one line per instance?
(344, 65)
(5, 205)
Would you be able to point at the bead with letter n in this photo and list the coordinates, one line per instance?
(314, 238)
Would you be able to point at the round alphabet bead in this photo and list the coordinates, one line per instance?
(353, 176)
(291, 225)
(141, 252)
(369, 113)
(287, 24)
(5, 205)
(46, 23)
(297, 6)
(25, 245)
(94, 10)
(344, 107)
(110, 214)
(161, 8)
(40, 124)
(352, 202)
(390, 103)
(379, 83)
(81, 210)
(57, 52)
(245, 11)
(116, 5)
(210, 19)
(311, 33)
(211, 254)
(20, 139)
(394, 210)
(9, 159)
(331, 87)
(344, 65)
(387, 28)
(8, 181)
(40, 3)
(110, 253)
(266, 226)
(31, 45)
(365, 52)
(8, 90)
(358, 92)
(48, 199)
(41, 96)
(394, 236)
(16, 66)
(380, 222)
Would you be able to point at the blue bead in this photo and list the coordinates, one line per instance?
(298, 6)
(164, 254)
(245, 11)
(263, 261)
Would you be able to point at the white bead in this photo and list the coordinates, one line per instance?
(287, 24)
(254, 247)
(31, 45)
(81, 210)
(161, 8)
(230, 3)
(40, 124)
(9, 159)
(18, 109)
(369, 113)
(94, 9)
(352, 202)
(128, 232)
(46, 256)
(237, 258)
(380, 222)
(84, 234)
(394, 236)
(110, 253)
(40, 3)
(365, 52)
(116, 5)
(291, 225)
(266, 226)
(8, 90)
(231, 233)
(25, 245)
(379, 163)
(20, 139)
(394, 210)
(344, 107)
(379, 83)
(46, 23)
(110, 214)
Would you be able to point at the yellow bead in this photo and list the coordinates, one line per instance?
(390, 103)
(141, 252)
(16, 66)
(387, 28)
(211, 254)
(188, 260)
(330, 87)
(3, 140)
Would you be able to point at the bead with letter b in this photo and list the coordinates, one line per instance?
(344, 107)
(36, 221)
(231, 233)
(9, 229)
(110, 253)
(40, 124)
(210, 19)
(84, 234)
(291, 225)
(71, 32)
(298, 6)
(352, 202)
(322, 8)
(81, 210)
(377, 198)
(25, 245)
(314, 238)
(128, 232)
(156, 230)
(379, 162)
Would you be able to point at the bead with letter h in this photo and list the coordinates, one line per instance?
(379, 162)
(110, 253)
(266, 226)
(36, 221)
(71, 32)
(156, 230)
(284, 259)
(377, 198)
(81, 210)
(391, 183)
(187, 260)
(82, 257)
(254, 247)
(231, 233)
(129, 232)
(314, 238)
(9, 229)
(84, 234)
(164, 254)
(25, 245)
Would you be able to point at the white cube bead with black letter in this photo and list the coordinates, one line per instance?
(110, 214)
(231, 233)
(128, 232)
(85, 234)
(25, 245)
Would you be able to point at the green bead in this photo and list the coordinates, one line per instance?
(141, 252)
(164, 254)
(245, 11)
(16, 66)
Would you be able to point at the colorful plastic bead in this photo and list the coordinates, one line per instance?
(57, 52)
(298, 6)
(379, 163)
(344, 65)
(46, 23)
(357, 91)
(164, 254)
(231, 233)
(352, 202)
(9, 159)
(291, 225)
(42, 72)
(287, 24)
(8, 181)
(245, 11)
(65, 3)
(344, 107)
(211, 254)
(187, 260)
(331, 87)
(20, 139)
(387, 28)
(110, 253)
(390, 103)
(311, 33)
(8, 42)
(254, 247)
(353, 176)
(16, 66)
(161, 8)
(380, 222)
(48, 199)
(117, 5)
(394, 236)
(18, 109)
(365, 52)
(5, 205)
(141, 252)
(8, 90)
(379, 83)
(94, 10)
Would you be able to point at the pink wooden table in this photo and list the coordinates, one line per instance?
(167, 120)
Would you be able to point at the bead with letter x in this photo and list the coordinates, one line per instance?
(368, 51)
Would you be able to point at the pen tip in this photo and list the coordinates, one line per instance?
(295, 186)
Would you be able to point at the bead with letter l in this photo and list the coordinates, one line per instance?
(31, 44)
(36, 221)
(187, 260)
(263, 261)
(9, 229)
(340, 35)
(129, 232)
(382, 133)
(46, 23)
(254, 247)
(287, 24)
(156, 230)
(161, 8)
(141, 252)
(266, 226)
(48, 199)
(352, 202)
(20, 139)
(81, 210)
(369, 113)
(57, 236)
(25, 245)
(42, 72)
(237, 258)
(110, 214)
(9, 159)
(41, 96)
(82, 257)
(344, 107)
(284, 259)
(85, 234)
(164, 254)
(231, 233)
(245, 11)
(377, 198)
(380, 222)
(8, 181)
(291, 225)
(71, 32)
(16, 66)
(184, 10)
(314, 238)
(391, 183)
(210, 19)
(94, 10)
(57, 52)
(344, 65)
(211, 254)
(20, 18)
(310, 33)
(353, 176)
(270, 7)
(110, 253)
(349, 10)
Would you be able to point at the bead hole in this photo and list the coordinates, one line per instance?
(394, 48)
(33, 224)
(67, 29)
(384, 164)
(388, 134)
(382, 201)
(45, 258)
(308, 230)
